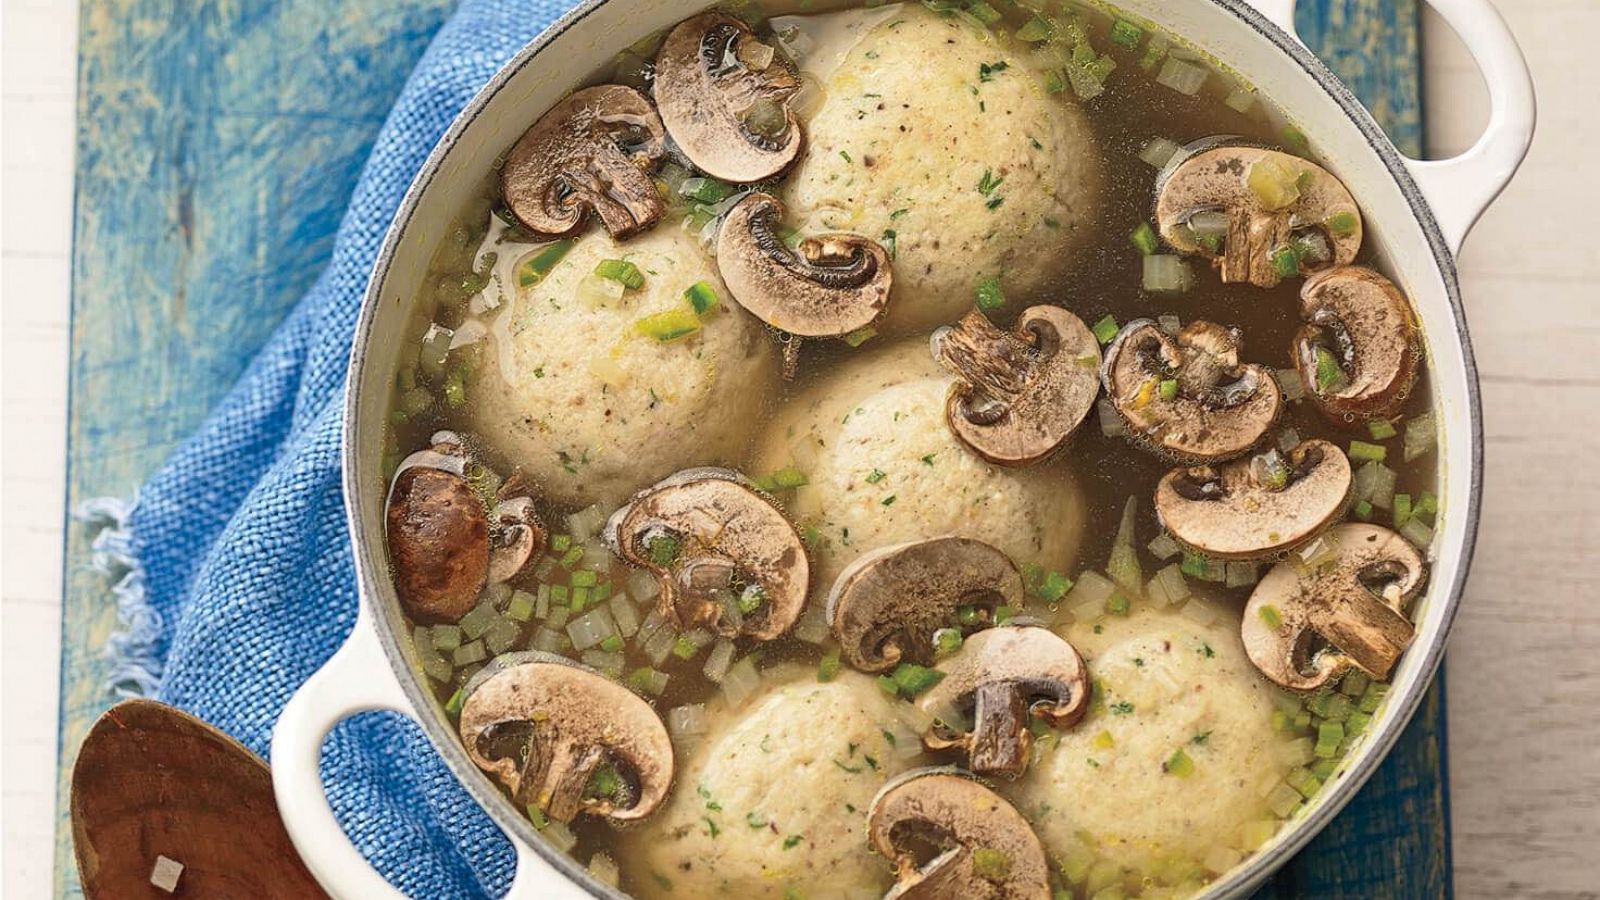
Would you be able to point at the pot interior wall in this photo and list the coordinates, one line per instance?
(580, 43)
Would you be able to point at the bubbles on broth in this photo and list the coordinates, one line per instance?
(577, 600)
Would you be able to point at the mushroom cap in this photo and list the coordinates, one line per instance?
(1004, 676)
(438, 535)
(562, 721)
(1218, 179)
(834, 284)
(1366, 322)
(591, 152)
(1366, 626)
(1222, 407)
(885, 606)
(959, 821)
(1226, 512)
(720, 521)
(1021, 395)
(703, 86)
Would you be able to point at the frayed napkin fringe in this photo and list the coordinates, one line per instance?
(135, 666)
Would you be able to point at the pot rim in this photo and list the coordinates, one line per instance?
(1295, 834)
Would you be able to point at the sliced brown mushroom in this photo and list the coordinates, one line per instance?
(1256, 507)
(1021, 394)
(592, 151)
(1188, 396)
(885, 606)
(711, 536)
(833, 285)
(566, 739)
(949, 836)
(724, 97)
(1001, 679)
(1360, 348)
(438, 535)
(1305, 627)
(1258, 214)
(516, 536)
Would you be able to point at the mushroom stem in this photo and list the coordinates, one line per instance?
(1371, 632)
(1252, 236)
(993, 362)
(1000, 741)
(563, 778)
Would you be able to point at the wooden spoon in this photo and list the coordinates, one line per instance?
(154, 781)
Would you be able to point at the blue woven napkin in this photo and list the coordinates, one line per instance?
(242, 582)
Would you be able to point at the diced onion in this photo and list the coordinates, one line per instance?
(1288, 438)
(502, 635)
(596, 557)
(1111, 424)
(547, 640)
(1170, 324)
(1159, 152)
(585, 523)
(1417, 533)
(559, 835)
(688, 720)
(1168, 587)
(1164, 547)
(659, 646)
(604, 869)
(591, 628)
(597, 291)
(606, 369)
(558, 617)
(812, 626)
(1321, 551)
(1240, 99)
(625, 615)
(435, 347)
(718, 661)
(1241, 574)
(741, 682)
(1166, 273)
(1289, 382)
(1185, 78)
(643, 585)
(1087, 599)
(604, 662)
(1422, 433)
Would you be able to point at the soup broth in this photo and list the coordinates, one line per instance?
(539, 374)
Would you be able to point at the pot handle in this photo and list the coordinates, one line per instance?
(1460, 188)
(358, 679)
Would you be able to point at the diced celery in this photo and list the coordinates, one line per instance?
(1126, 34)
(1381, 429)
(1105, 329)
(1144, 238)
(1329, 736)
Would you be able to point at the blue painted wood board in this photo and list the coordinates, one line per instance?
(217, 145)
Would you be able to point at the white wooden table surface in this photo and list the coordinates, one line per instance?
(1524, 663)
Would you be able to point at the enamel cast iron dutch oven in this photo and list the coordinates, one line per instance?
(1416, 213)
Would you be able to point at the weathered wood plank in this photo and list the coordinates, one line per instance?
(217, 144)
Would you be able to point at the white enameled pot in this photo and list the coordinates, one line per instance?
(1417, 214)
